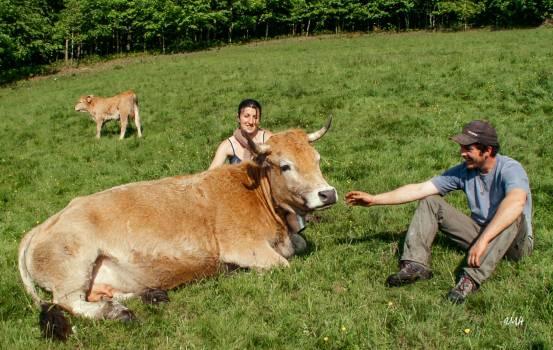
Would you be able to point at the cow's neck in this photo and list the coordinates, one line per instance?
(265, 192)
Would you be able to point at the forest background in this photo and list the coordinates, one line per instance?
(35, 33)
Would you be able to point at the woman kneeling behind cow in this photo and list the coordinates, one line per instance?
(235, 149)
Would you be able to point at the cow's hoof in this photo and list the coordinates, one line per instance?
(155, 296)
(126, 316)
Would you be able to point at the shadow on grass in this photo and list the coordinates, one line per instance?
(386, 236)
(112, 128)
(399, 236)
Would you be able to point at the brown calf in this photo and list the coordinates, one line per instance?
(121, 106)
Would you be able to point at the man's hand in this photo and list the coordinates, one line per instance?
(360, 198)
(476, 252)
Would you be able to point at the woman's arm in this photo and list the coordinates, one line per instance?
(222, 153)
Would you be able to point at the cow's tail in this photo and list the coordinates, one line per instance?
(52, 321)
(28, 281)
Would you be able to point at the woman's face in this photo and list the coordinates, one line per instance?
(249, 120)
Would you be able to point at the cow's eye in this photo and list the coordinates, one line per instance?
(285, 167)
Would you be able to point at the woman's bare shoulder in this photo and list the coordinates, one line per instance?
(225, 146)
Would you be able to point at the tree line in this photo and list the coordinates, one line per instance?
(36, 32)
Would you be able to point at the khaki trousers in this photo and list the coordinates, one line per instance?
(433, 214)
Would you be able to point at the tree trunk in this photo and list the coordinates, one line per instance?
(266, 30)
(307, 29)
(129, 39)
(72, 43)
(66, 55)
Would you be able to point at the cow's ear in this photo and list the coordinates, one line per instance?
(89, 98)
(263, 159)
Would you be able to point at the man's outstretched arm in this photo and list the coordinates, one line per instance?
(403, 194)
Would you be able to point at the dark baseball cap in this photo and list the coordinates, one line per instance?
(477, 131)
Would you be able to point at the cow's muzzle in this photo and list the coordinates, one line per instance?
(321, 198)
(327, 197)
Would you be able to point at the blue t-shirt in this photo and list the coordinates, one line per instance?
(486, 191)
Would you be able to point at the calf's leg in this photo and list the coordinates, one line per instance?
(137, 121)
(123, 121)
(99, 124)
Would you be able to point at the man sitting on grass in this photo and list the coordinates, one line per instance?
(498, 195)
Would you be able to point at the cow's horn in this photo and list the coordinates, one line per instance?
(256, 149)
(314, 136)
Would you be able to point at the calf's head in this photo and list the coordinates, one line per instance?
(297, 183)
(84, 103)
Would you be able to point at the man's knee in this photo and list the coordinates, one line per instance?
(522, 245)
(431, 200)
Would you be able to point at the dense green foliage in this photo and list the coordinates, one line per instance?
(395, 99)
(34, 32)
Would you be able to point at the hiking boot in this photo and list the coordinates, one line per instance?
(464, 287)
(410, 272)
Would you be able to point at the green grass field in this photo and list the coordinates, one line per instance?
(395, 99)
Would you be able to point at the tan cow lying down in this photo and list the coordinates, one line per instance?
(120, 107)
(143, 238)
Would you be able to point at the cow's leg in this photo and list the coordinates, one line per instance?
(74, 288)
(286, 247)
(120, 296)
(72, 293)
(259, 257)
(124, 121)
(106, 292)
(75, 302)
(100, 292)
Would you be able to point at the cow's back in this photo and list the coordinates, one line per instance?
(121, 104)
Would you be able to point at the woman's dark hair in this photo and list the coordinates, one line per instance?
(249, 103)
(482, 148)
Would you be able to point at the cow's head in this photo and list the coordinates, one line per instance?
(297, 183)
(84, 103)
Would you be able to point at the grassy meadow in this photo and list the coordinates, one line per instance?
(395, 99)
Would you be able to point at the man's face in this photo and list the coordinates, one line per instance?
(474, 158)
